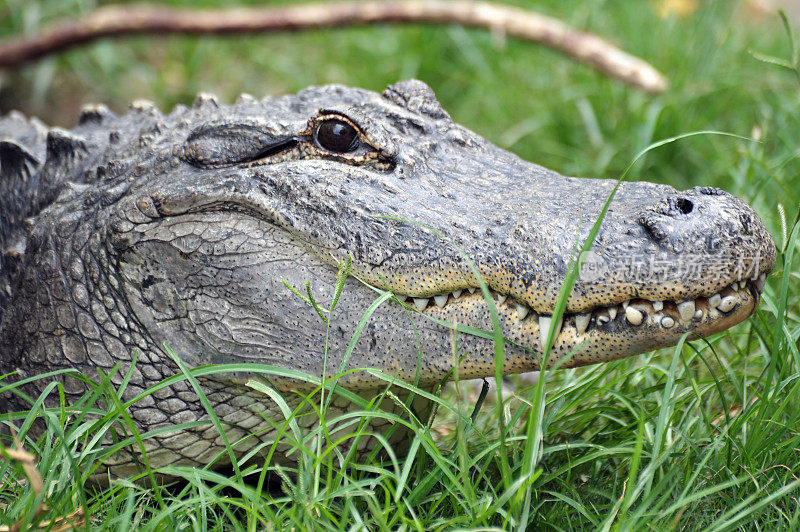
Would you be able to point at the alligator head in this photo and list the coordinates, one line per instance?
(311, 180)
(186, 229)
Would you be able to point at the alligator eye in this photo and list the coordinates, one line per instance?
(337, 136)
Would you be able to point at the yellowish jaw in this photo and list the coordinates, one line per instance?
(606, 333)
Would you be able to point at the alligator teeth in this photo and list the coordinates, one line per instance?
(686, 310)
(634, 315)
(727, 303)
(544, 328)
(582, 322)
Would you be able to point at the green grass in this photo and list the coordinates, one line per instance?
(703, 436)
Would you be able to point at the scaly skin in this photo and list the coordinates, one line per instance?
(146, 230)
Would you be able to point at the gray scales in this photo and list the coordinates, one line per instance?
(131, 232)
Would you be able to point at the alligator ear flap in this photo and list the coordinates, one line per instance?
(16, 161)
(416, 96)
(217, 145)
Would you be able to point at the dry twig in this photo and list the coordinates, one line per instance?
(28, 461)
(118, 20)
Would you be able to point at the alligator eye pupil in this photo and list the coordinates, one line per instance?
(337, 136)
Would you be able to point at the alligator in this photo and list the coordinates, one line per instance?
(142, 230)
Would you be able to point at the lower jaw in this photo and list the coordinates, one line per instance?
(607, 337)
(602, 345)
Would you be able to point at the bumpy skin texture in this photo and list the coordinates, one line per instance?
(144, 230)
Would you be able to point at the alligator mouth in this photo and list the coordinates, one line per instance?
(629, 327)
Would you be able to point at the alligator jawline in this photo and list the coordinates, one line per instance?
(631, 313)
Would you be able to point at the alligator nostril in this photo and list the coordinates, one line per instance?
(684, 205)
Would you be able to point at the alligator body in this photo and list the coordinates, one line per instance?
(132, 232)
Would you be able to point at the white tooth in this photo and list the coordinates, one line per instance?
(602, 318)
(714, 300)
(625, 304)
(501, 299)
(727, 303)
(457, 293)
(612, 313)
(582, 322)
(742, 285)
(522, 311)
(686, 310)
(634, 315)
(471, 290)
(667, 322)
(420, 303)
(544, 328)
(441, 300)
(761, 282)
(658, 306)
(698, 314)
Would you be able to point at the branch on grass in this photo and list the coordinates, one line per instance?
(118, 20)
